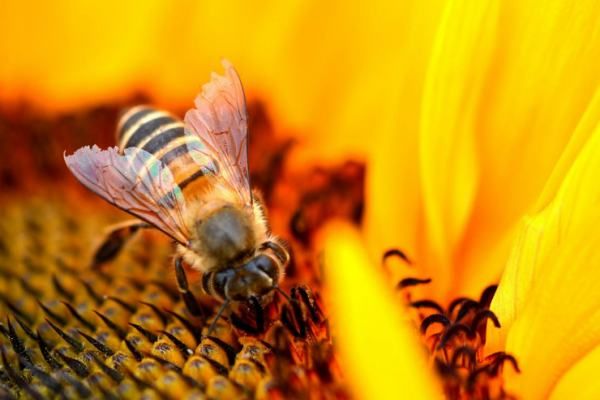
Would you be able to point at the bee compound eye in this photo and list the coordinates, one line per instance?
(267, 265)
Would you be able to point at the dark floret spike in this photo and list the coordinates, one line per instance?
(60, 320)
(19, 380)
(427, 304)
(219, 368)
(82, 390)
(75, 365)
(134, 352)
(410, 282)
(473, 376)
(286, 320)
(498, 359)
(259, 313)
(16, 311)
(79, 317)
(145, 332)
(28, 288)
(163, 318)
(183, 349)
(98, 300)
(487, 295)
(444, 369)
(71, 341)
(466, 307)
(455, 303)
(45, 350)
(240, 324)
(46, 380)
(16, 342)
(230, 351)
(396, 253)
(129, 307)
(464, 352)
(61, 289)
(480, 318)
(453, 331)
(434, 319)
(196, 331)
(315, 312)
(112, 373)
(111, 325)
(25, 328)
(104, 349)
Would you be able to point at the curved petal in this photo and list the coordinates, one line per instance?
(545, 75)
(576, 383)
(560, 321)
(543, 234)
(449, 123)
(381, 352)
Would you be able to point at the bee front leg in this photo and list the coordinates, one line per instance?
(182, 284)
(116, 237)
(278, 249)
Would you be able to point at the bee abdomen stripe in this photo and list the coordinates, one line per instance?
(146, 129)
(179, 151)
(199, 173)
(162, 139)
(131, 117)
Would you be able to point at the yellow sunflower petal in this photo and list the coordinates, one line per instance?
(574, 204)
(545, 73)
(381, 353)
(453, 91)
(577, 382)
(560, 322)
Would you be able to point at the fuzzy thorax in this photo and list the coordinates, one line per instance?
(223, 232)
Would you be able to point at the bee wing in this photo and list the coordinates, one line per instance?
(136, 182)
(220, 121)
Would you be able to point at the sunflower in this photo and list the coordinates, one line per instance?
(501, 186)
(477, 126)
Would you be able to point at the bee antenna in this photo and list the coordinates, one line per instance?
(284, 294)
(213, 324)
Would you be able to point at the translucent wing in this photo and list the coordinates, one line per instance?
(136, 182)
(220, 121)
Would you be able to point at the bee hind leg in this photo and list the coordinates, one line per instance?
(117, 236)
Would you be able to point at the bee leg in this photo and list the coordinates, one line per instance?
(115, 239)
(213, 324)
(259, 312)
(278, 249)
(182, 284)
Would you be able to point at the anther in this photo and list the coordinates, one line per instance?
(434, 319)
(427, 304)
(396, 253)
(452, 332)
(464, 352)
(487, 295)
(465, 308)
(409, 282)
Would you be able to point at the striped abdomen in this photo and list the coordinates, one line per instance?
(163, 135)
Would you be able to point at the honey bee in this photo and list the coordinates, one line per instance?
(190, 180)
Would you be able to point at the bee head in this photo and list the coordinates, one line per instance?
(256, 277)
